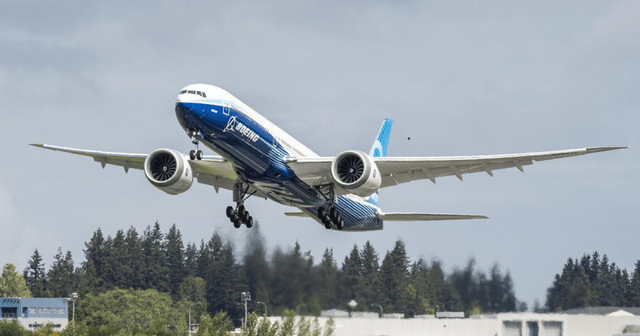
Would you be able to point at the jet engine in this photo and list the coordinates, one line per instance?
(169, 171)
(356, 172)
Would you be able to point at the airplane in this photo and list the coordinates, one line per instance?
(257, 158)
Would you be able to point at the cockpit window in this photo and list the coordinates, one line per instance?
(199, 93)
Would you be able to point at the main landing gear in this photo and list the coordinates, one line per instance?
(240, 215)
(330, 216)
(195, 153)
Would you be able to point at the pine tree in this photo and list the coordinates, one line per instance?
(61, 280)
(394, 278)
(35, 275)
(326, 278)
(634, 287)
(191, 260)
(255, 266)
(134, 269)
(154, 250)
(350, 277)
(95, 253)
(175, 259)
(370, 267)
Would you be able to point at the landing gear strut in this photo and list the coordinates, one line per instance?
(195, 153)
(240, 215)
(330, 216)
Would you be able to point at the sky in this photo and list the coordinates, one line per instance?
(458, 78)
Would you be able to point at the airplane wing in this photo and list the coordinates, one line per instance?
(211, 170)
(420, 216)
(316, 171)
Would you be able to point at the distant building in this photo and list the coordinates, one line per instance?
(35, 312)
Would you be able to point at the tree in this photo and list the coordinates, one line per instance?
(155, 261)
(394, 278)
(61, 280)
(255, 265)
(133, 310)
(634, 287)
(370, 267)
(35, 276)
(350, 277)
(134, 267)
(12, 283)
(175, 259)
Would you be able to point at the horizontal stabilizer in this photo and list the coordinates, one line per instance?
(297, 214)
(421, 216)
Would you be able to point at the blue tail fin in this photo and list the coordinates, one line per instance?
(379, 149)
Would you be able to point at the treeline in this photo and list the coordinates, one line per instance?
(213, 275)
(592, 281)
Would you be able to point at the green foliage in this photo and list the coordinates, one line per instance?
(329, 328)
(593, 281)
(11, 328)
(35, 275)
(304, 326)
(61, 280)
(12, 283)
(220, 325)
(134, 310)
(288, 323)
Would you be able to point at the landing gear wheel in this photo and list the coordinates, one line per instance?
(333, 213)
(192, 154)
(249, 222)
(246, 218)
(340, 224)
(236, 224)
(241, 211)
(321, 212)
(199, 154)
(229, 212)
(327, 224)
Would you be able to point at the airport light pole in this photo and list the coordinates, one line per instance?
(245, 296)
(193, 304)
(265, 307)
(73, 298)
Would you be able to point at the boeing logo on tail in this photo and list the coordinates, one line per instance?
(257, 158)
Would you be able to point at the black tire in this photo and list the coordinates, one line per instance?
(321, 212)
(328, 225)
(199, 155)
(250, 222)
(333, 213)
(236, 224)
(340, 224)
(246, 217)
(192, 154)
(241, 211)
(229, 211)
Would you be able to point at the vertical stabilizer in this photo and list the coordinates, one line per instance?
(380, 145)
(379, 148)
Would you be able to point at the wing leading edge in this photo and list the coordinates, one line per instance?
(211, 170)
(397, 170)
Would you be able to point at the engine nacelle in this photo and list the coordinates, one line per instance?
(356, 172)
(169, 171)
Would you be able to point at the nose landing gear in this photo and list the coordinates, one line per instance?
(195, 153)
